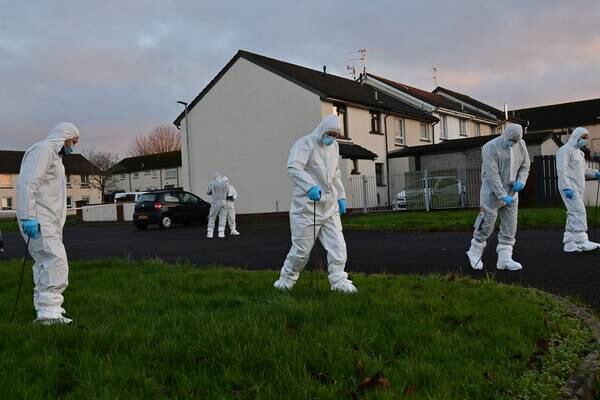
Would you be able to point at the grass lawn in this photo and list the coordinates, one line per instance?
(10, 224)
(447, 220)
(155, 331)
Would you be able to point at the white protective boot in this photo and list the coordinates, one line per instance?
(569, 245)
(505, 261)
(47, 319)
(284, 283)
(234, 233)
(222, 233)
(209, 233)
(344, 286)
(475, 254)
(583, 243)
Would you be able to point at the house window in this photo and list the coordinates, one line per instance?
(147, 173)
(154, 174)
(68, 181)
(424, 132)
(375, 122)
(355, 170)
(398, 125)
(85, 180)
(69, 202)
(379, 174)
(6, 180)
(136, 175)
(462, 126)
(342, 113)
(123, 177)
(6, 203)
(477, 129)
(171, 173)
(85, 199)
(444, 127)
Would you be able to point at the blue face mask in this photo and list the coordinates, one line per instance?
(327, 140)
(67, 150)
(581, 143)
(508, 144)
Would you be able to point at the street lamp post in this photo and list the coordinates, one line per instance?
(187, 143)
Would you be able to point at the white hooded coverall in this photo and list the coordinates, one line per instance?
(312, 163)
(41, 194)
(501, 168)
(572, 173)
(231, 194)
(217, 189)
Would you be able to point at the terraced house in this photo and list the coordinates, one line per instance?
(79, 171)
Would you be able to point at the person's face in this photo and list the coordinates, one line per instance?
(333, 134)
(71, 142)
(585, 137)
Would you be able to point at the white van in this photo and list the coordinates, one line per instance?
(127, 197)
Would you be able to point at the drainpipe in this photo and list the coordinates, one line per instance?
(387, 161)
(433, 124)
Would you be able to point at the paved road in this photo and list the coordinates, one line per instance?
(264, 246)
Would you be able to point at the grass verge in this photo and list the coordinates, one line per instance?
(450, 220)
(152, 330)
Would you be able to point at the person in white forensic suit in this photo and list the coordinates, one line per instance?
(504, 172)
(41, 213)
(217, 189)
(232, 196)
(318, 200)
(572, 173)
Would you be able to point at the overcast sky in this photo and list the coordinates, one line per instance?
(117, 67)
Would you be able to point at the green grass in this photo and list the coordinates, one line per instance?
(449, 220)
(156, 331)
(10, 224)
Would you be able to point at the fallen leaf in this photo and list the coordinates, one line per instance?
(410, 389)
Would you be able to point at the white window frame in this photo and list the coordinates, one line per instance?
(427, 137)
(4, 203)
(154, 174)
(477, 128)
(171, 173)
(462, 123)
(136, 175)
(399, 135)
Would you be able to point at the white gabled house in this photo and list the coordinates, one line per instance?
(245, 121)
(460, 116)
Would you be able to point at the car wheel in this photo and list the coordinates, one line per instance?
(141, 227)
(166, 222)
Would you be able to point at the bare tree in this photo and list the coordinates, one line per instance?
(161, 139)
(102, 178)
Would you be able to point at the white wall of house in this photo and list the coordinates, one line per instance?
(142, 181)
(243, 128)
(76, 191)
(594, 131)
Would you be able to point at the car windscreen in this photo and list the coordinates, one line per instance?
(147, 197)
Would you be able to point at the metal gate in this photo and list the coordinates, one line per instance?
(421, 190)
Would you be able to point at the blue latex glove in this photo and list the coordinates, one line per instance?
(518, 186)
(342, 205)
(508, 200)
(569, 193)
(598, 175)
(31, 227)
(314, 193)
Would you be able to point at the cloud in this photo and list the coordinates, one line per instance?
(118, 67)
